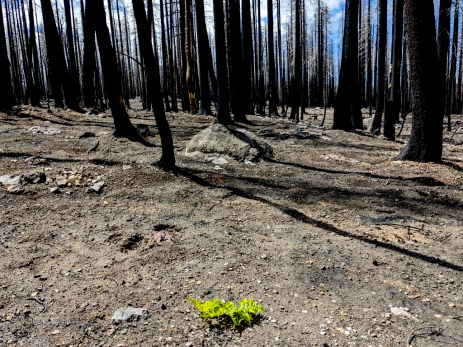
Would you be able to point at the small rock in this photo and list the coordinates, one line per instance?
(110, 331)
(93, 111)
(144, 130)
(10, 180)
(217, 167)
(264, 256)
(163, 307)
(55, 332)
(55, 190)
(34, 177)
(97, 187)
(61, 182)
(86, 134)
(126, 167)
(15, 189)
(44, 130)
(130, 314)
(219, 161)
(322, 332)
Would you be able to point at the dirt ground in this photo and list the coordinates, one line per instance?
(342, 245)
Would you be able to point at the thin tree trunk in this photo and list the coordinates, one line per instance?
(164, 57)
(203, 43)
(394, 102)
(376, 124)
(167, 161)
(124, 127)
(57, 62)
(190, 84)
(88, 66)
(223, 111)
(7, 99)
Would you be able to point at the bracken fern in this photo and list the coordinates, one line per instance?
(244, 314)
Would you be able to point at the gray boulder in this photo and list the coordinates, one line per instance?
(220, 140)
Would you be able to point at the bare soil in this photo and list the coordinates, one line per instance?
(333, 237)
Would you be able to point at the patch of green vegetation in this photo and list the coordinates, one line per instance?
(323, 288)
(227, 313)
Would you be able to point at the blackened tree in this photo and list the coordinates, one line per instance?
(223, 110)
(425, 144)
(347, 113)
(7, 99)
(124, 127)
(382, 33)
(59, 74)
(167, 161)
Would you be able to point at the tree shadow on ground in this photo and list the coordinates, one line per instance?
(421, 180)
(193, 176)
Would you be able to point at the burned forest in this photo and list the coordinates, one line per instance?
(231, 173)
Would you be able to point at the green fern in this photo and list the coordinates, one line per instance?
(244, 314)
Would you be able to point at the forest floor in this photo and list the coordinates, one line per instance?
(342, 245)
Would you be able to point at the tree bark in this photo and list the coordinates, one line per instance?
(347, 113)
(394, 102)
(443, 39)
(164, 57)
(382, 33)
(89, 64)
(190, 84)
(73, 72)
(7, 99)
(223, 110)
(124, 127)
(425, 144)
(57, 62)
(167, 160)
(296, 83)
(203, 43)
(273, 92)
(246, 41)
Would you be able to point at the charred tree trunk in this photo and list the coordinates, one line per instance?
(7, 99)
(190, 83)
(236, 66)
(394, 102)
(203, 43)
(376, 124)
(246, 41)
(451, 85)
(223, 110)
(33, 60)
(73, 72)
(347, 113)
(296, 83)
(273, 92)
(425, 144)
(89, 64)
(443, 39)
(164, 57)
(167, 160)
(124, 127)
(57, 62)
